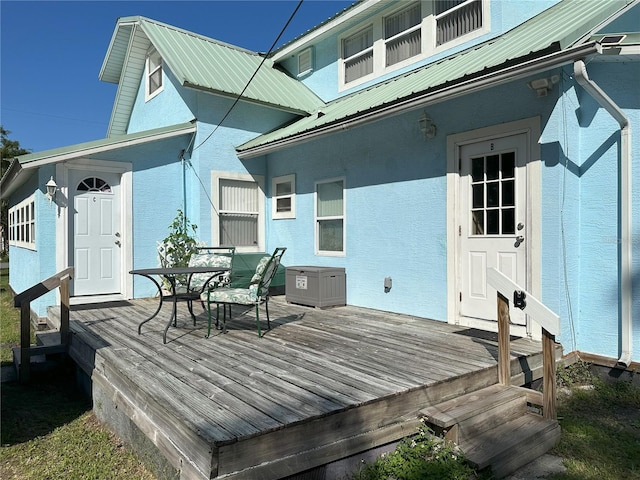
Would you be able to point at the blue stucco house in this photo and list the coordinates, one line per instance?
(417, 141)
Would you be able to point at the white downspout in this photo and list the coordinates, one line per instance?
(626, 221)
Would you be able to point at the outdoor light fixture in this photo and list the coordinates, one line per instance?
(543, 86)
(427, 127)
(52, 186)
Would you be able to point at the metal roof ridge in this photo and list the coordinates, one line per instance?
(142, 20)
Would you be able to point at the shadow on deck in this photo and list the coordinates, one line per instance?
(320, 386)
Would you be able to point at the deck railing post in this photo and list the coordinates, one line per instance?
(64, 309)
(548, 375)
(25, 342)
(504, 366)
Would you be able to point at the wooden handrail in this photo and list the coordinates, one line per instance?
(550, 323)
(23, 301)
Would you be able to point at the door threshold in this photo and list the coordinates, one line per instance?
(88, 299)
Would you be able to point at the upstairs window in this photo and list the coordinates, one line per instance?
(357, 51)
(154, 74)
(408, 32)
(402, 35)
(305, 62)
(455, 18)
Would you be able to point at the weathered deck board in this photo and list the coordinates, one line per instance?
(319, 385)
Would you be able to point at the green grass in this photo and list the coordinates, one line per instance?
(600, 429)
(9, 321)
(48, 430)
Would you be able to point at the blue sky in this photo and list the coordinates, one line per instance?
(51, 53)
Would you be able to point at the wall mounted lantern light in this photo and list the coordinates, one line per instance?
(543, 86)
(52, 186)
(427, 127)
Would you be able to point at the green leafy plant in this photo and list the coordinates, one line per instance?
(578, 373)
(176, 249)
(421, 456)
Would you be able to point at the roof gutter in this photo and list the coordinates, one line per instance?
(506, 75)
(624, 178)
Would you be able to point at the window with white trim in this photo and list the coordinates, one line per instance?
(399, 37)
(357, 52)
(238, 210)
(330, 217)
(22, 224)
(403, 35)
(283, 197)
(455, 18)
(153, 84)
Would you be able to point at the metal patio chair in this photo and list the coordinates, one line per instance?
(197, 283)
(256, 294)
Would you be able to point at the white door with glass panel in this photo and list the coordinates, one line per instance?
(492, 229)
(97, 242)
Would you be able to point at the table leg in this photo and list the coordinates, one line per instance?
(159, 304)
(174, 310)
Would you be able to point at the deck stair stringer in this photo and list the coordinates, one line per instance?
(495, 427)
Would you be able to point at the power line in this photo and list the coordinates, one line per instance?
(264, 58)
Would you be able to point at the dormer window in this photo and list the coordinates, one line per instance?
(154, 74)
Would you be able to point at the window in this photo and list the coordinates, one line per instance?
(154, 74)
(493, 207)
(357, 52)
(402, 35)
(22, 224)
(94, 184)
(408, 32)
(283, 194)
(330, 232)
(455, 18)
(238, 213)
(305, 62)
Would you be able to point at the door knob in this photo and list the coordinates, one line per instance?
(519, 240)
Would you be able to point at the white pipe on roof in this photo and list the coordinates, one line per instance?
(624, 178)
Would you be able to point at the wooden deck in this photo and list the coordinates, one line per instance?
(320, 386)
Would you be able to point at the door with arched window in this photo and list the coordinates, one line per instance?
(97, 241)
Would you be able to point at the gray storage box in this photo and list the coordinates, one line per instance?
(316, 286)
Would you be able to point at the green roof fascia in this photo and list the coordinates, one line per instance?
(551, 31)
(23, 166)
(31, 160)
(203, 63)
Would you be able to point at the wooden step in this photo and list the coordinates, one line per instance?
(484, 403)
(512, 444)
(48, 338)
(39, 359)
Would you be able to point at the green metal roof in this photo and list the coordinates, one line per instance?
(207, 64)
(23, 166)
(551, 31)
(111, 143)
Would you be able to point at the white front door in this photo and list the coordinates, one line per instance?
(492, 230)
(97, 242)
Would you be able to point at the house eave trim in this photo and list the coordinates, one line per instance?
(115, 144)
(431, 97)
(246, 99)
